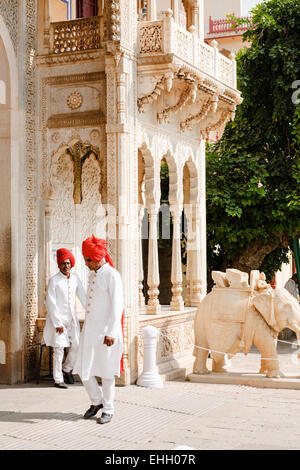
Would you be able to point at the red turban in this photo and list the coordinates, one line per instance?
(62, 254)
(95, 249)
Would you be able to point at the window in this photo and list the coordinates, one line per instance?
(86, 8)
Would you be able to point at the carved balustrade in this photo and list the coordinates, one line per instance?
(167, 37)
(225, 69)
(224, 25)
(76, 35)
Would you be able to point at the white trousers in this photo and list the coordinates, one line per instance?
(58, 368)
(105, 396)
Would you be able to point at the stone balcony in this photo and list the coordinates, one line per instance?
(76, 35)
(158, 42)
(161, 39)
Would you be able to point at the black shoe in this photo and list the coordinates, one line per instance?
(92, 411)
(61, 385)
(105, 418)
(69, 378)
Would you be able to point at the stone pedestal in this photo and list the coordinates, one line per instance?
(150, 376)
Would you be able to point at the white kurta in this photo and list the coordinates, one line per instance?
(61, 310)
(103, 318)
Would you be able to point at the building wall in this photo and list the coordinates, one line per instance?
(231, 44)
(12, 191)
(58, 101)
(62, 10)
(218, 9)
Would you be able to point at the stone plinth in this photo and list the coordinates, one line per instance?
(248, 379)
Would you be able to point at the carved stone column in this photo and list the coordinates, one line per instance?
(188, 214)
(215, 45)
(153, 306)
(176, 275)
(195, 15)
(234, 73)
(47, 24)
(152, 16)
(48, 212)
(201, 17)
(175, 9)
(142, 304)
(188, 279)
(78, 237)
(122, 189)
(196, 265)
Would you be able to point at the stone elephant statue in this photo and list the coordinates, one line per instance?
(234, 316)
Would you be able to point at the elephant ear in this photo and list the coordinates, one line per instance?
(264, 303)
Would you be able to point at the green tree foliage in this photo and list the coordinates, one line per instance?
(253, 171)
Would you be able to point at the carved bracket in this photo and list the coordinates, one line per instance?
(148, 99)
(188, 95)
(217, 126)
(192, 120)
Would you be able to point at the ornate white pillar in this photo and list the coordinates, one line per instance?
(122, 165)
(215, 45)
(153, 307)
(47, 21)
(234, 73)
(48, 212)
(175, 10)
(152, 16)
(201, 18)
(196, 265)
(78, 237)
(141, 267)
(195, 15)
(176, 274)
(188, 280)
(188, 214)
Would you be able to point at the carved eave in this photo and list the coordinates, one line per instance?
(161, 64)
(81, 119)
(171, 63)
(70, 57)
(216, 102)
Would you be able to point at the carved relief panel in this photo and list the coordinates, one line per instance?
(79, 98)
(63, 213)
(93, 214)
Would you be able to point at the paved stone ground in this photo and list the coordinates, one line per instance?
(200, 416)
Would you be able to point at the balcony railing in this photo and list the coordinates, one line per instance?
(166, 36)
(224, 26)
(76, 35)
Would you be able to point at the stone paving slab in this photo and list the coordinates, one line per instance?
(204, 416)
(201, 416)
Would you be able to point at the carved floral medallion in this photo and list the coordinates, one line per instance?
(74, 100)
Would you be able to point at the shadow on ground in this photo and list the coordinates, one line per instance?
(30, 417)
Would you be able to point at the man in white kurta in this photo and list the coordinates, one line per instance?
(62, 326)
(101, 340)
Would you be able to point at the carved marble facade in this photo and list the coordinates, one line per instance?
(107, 99)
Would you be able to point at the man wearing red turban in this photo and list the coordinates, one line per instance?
(62, 326)
(101, 340)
